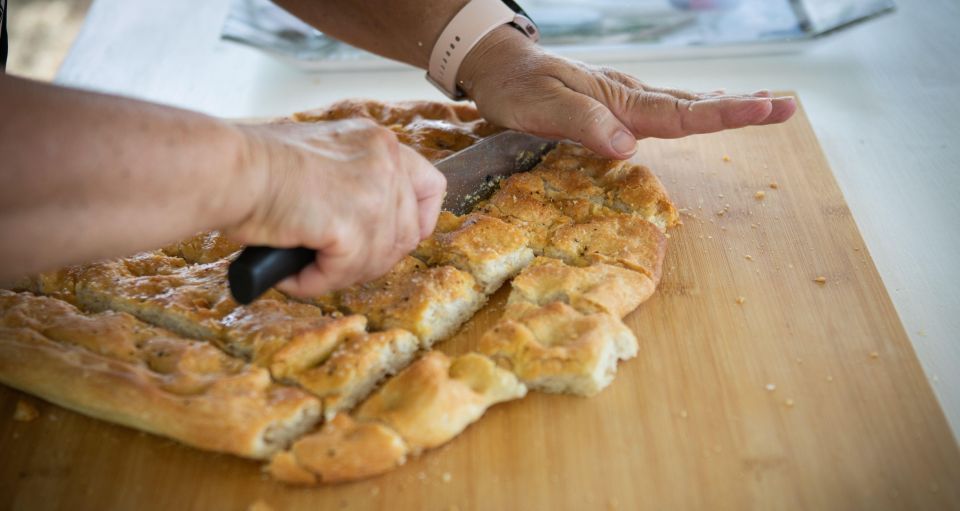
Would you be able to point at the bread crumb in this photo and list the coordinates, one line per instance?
(820, 280)
(829, 378)
(375, 490)
(774, 185)
(422, 476)
(446, 477)
(741, 300)
(760, 195)
(259, 505)
(726, 158)
(922, 332)
(25, 412)
(748, 257)
(771, 387)
(683, 414)
(874, 354)
(788, 402)
(754, 226)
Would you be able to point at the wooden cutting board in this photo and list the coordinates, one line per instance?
(805, 396)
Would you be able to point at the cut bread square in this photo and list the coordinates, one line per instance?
(522, 200)
(204, 247)
(588, 289)
(487, 248)
(353, 370)
(114, 367)
(437, 397)
(557, 349)
(619, 239)
(625, 186)
(342, 450)
(429, 302)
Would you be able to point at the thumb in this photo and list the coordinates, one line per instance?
(429, 186)
(578, 117)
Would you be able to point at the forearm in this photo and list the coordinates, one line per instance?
(88, 176)
(403, 30)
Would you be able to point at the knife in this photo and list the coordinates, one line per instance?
(472, 175)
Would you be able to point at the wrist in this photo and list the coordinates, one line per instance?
(490, 56)
(248, 177)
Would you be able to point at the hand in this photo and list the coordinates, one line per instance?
(520, 86)
(345, 188)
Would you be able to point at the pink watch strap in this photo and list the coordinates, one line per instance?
(475, 20)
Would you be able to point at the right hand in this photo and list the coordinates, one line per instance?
(346, 188)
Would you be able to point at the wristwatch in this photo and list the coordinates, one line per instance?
(475, 20)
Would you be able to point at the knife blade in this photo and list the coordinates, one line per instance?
(472, 175)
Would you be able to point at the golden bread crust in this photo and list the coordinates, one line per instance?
(114, 367)
(595, 288)
(555, 348)
(429, 302)
(623, 185)
(522, 200)
(342, 450)
(488, 248)
(435, 130)
(436, 397)
(619, 239)
(204, 247)
(194, 300)
(352, 371)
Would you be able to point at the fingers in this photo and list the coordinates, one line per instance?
(429, 185)
(664, 116)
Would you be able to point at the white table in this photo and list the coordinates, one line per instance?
(883, 100)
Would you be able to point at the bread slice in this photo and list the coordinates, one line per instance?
(588, 289)
(194, 300)
(429, 302)
(114, 367)
(522, 201)
(622, 185)
(488, 248)
(355, 367)
(204, 247)
(557, 349)
(342, 450)
(436, 397)
(619, 239)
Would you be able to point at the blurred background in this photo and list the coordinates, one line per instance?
(41, 32)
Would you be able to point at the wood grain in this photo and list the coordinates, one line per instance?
(805, 396)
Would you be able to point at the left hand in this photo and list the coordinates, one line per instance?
(518, 85)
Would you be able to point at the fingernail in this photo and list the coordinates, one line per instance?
(762, 93)
(624, 143)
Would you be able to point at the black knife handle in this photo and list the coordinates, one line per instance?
(257, 269)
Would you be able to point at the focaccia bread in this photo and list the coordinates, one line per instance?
(588, 289)
(600, 225)
(435, 130)
(487, 248)
(557, 349)
(429, 302)
(117, 368)
(437, 397)
(342, 450)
